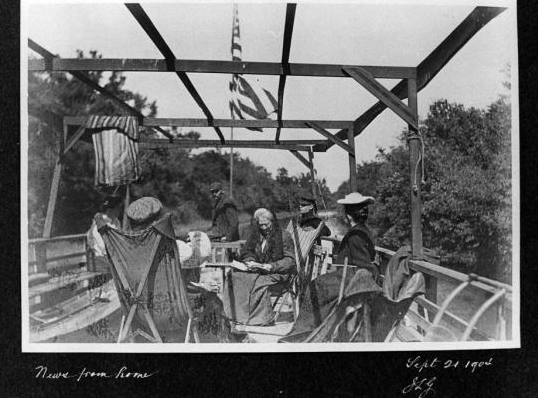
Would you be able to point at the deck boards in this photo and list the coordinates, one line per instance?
(59, 282)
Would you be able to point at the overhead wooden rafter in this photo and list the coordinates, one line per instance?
(366, 80)
(433, 63)
(49, 58)
(329, 136)
(286, 46)
(148, 26)
(414, 79)
(259, 123)
(213, 66)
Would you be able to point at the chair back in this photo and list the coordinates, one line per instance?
(146, 270)
(303, 240)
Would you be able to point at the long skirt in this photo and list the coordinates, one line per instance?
(247, 296)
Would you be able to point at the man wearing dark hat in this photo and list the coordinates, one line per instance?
(309, 215)
(225, 221)
(358, 243)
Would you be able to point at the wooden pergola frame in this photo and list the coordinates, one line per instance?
(413, 79)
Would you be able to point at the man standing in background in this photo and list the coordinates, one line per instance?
(225, 221)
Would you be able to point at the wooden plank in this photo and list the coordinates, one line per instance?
(312, 173)
(262, 123)
(51, 58)
(73, 140)
(366, 80)
(155, 144)
(452, 319)
(51, 206)
(145, 22)
(331, 137)
(56, 258)
(437, 271)
(286, 46)
(415, 175)
(434, 62)
(61, 281)
(74, 322)
(214, 66)
(228, 142)
(57, 239)
(406, 334)
(352, 161)
(41, 258)
(301, 158)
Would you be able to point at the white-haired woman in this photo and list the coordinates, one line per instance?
(270, 257)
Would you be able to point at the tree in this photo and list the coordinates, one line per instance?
(466, 195)
(55, 95)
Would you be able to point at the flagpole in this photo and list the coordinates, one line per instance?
(234, 11)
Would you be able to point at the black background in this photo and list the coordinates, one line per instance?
(513, 373)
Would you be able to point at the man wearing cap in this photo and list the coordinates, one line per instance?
(225, 222)
(309, 215)
(358, 243)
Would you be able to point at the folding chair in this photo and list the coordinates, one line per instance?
(146, 270)
(303, 242)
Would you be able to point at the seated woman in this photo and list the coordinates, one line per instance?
(358, 244)
(270, 258)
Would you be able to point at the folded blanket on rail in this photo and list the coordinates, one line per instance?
(115, 142)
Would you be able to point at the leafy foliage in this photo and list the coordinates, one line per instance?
(179, 178)
(466, 211)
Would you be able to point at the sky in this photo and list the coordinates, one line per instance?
(355, 33)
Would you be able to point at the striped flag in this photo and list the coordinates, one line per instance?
(249, 100)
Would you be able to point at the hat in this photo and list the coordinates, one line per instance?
(144, 209)
(355, 198)
(216, 186)
(112, 201)
(305, 200)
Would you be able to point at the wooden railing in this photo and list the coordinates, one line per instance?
(65, 261)
(440, 281)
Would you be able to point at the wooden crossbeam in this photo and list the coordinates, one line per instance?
(286, 46)
(331, 137)
(433, 63)
(366, 80)
(262, 123)
(213, 66)
(143, 19)
(50, 57)
(301, 158)
(154, 143)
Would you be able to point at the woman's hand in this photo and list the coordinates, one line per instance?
(253, 265)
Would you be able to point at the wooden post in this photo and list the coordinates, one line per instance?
(54, 187)
(232, 164)
(352, 161)
(416, 173)
(41, 257)
(312, 175)
(125, 223)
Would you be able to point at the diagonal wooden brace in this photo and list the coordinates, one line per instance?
(367, 80)
(330, 136)
(301, 158)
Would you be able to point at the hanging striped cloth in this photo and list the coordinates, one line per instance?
(115, 142)
(249, 100)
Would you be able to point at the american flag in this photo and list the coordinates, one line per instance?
(249, 100)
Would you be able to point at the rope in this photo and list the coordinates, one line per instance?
(420, 161)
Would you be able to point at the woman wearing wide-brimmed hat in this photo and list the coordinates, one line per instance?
(358, 243)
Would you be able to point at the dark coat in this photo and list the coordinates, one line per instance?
(225, 221)
(358, 246)
(282, 259)
(313, 222)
